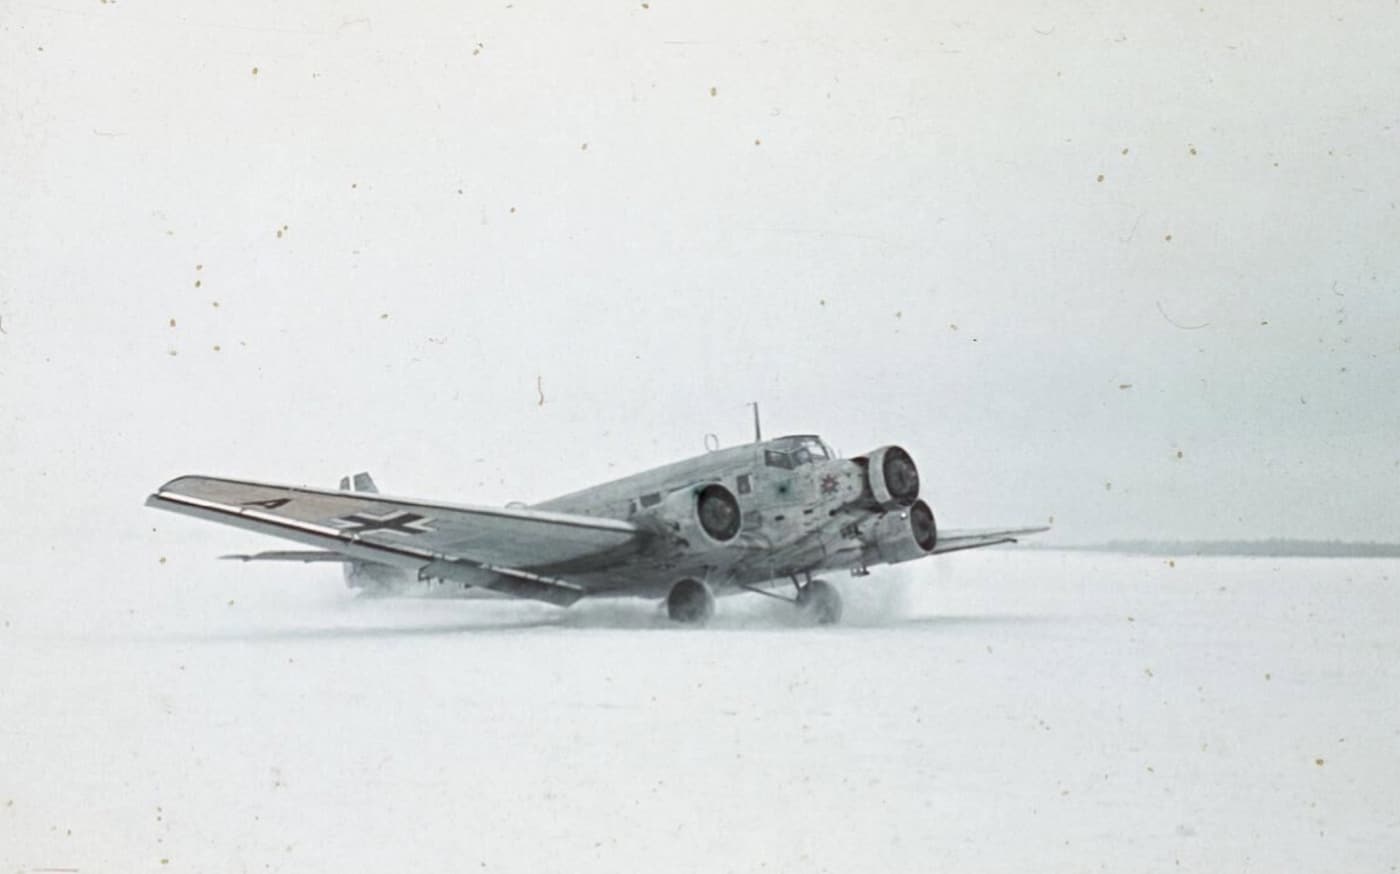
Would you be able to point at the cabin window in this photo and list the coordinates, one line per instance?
(651, 500)
(744, 485)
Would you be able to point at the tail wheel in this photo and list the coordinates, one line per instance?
(690, 602)
(819, 602)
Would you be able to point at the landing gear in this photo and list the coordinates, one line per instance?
(690, 602)
(819, 602)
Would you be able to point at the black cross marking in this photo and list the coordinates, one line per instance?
(401, 522)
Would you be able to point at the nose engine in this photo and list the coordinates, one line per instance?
(892, 477)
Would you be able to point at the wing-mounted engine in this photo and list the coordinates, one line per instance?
(706, 514)
(902, 535)
(892, 478)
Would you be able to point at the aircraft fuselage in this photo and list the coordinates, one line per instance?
(801, 510)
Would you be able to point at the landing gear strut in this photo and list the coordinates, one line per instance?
(819, 602)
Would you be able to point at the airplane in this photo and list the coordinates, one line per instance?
(749, 518)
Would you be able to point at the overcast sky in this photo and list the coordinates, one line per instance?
(1134, 270)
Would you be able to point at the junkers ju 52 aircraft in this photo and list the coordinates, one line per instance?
(747, 518)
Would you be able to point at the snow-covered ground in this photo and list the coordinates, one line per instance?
(987, 711)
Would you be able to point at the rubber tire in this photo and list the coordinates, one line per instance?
(690, 602)
(819, 602)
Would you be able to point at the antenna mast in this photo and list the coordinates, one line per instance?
(757, 429)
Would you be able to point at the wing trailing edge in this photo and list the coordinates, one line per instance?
(954, 539)
(301, 555)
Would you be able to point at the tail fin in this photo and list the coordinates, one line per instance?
(370, 577)
(360, 482)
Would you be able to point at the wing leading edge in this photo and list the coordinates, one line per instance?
(482, 546)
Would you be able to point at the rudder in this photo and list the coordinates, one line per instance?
(360, 482)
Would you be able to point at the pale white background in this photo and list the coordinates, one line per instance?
(885, 222)
(919, 166)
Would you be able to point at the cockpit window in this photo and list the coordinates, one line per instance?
(811, 450)
(797, 451)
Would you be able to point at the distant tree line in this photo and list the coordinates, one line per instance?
(1274, 547)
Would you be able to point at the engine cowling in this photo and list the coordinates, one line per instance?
(905, 535)
(702, 514)
(892, 477)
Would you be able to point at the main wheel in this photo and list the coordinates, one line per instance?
(690, 602)
(819, 602)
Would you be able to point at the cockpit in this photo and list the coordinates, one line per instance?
(790, 453)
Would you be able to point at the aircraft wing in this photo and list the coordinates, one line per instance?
(954, 539)
(450, 541)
